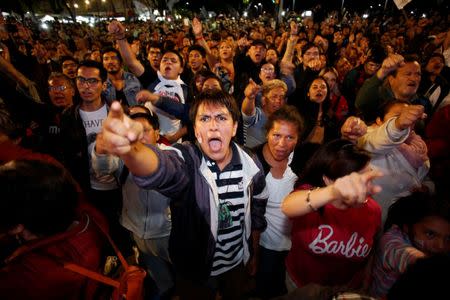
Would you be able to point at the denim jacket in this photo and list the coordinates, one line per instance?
(131, 88)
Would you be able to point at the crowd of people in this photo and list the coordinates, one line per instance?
(235, 158)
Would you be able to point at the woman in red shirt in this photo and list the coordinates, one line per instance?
(334, 219)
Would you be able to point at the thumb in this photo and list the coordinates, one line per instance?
(116, 111)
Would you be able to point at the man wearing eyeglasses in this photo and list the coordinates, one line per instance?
(80, 125)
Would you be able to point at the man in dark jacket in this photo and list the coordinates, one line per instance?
(218, 190)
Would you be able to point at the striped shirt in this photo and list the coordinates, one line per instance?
(394, 254)
(229, 245)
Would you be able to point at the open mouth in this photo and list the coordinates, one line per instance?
(215, 144)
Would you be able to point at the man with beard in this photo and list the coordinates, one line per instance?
(120, 85)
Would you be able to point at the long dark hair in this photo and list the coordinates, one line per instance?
(334, 159)
(310, 109)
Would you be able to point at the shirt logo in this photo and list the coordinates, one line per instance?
(323, 243)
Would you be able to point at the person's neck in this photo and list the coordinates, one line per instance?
(116, 76)
(277, 167)
(402, 97)
(228, 60)
(227, 159)
(91, 105)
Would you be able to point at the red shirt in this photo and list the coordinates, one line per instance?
(332, 246)
(39, 274)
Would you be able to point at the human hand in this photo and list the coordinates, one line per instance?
(353, 128)
(251, 90)
(389, 65)
(287, 67)
(409, 116)
(145, 95)
(352, 190)
(119, 132)
(197, 27)
(294, 28)
(116, 29)
(314, 64)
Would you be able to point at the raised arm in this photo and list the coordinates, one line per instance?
(250, 92)
(393, 132)
(197, 28)
(117, 31)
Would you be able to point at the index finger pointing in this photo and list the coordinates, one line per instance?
(371, 175)
(116, 111)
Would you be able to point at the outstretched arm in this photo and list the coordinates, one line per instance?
(348, 191)
(120, 136)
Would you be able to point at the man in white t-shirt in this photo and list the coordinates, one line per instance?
(80, 125)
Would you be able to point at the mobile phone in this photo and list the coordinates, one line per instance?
(186, 22)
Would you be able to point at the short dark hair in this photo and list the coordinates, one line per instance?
(220, 98)
(150, 116)
(288, 113)
(310, 45)
(386, 105)
(94, 64)
(58, 75)
(334, 159)
(111, 49)
(39, 195)
(180, 57)
(154, 45)
(66, 58)
(198, 48)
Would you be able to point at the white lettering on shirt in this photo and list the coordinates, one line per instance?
(323, 243)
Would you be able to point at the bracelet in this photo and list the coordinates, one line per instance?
(308, 200)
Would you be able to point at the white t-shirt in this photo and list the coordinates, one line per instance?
(92, 122)
(277, 235)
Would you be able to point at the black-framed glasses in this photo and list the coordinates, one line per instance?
(88, 81)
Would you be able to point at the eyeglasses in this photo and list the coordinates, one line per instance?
(65, 66)
(88, 81)
(57, 88)
(268, 70)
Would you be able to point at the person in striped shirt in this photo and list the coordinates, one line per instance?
(419, 226)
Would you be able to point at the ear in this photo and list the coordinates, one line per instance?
(157, 135)
(327, 180)
(235, 126)
(104, 86)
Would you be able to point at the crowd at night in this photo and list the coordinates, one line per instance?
(242, 150)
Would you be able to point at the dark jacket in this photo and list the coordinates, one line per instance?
(191, 185)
